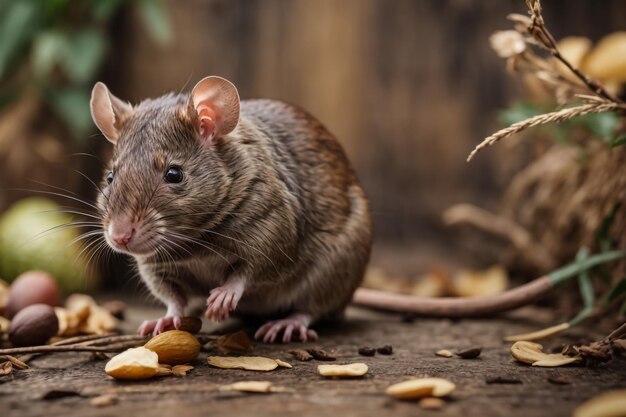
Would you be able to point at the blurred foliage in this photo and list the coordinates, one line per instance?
(59, 46)
(599, 125)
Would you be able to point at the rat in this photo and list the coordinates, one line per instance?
(249, 204)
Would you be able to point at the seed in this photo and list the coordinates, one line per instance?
(423, 387)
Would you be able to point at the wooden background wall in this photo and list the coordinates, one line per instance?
(408, 86)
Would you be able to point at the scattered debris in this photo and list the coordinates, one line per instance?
(558, 379)
(321, 355)
(174, 347)
(539, 334)
(431, 403)
(249, 386)
(15, 361)
(423, 387)
(234, 342)
(283, 363)
(164, 370)
(181, 370)
(105, 400)
(468, 283)
(6, 368)
(385, 350)
(250, 363)
(444, 353)
(608, 404)
(367, 351)
(531, 353)
(498, 379)
(135, 363)
(301, 355)
(350, 370)
(471, 353)
(117, 309)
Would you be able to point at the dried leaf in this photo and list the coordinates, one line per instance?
(164, 370)
(250, 363)
(349, 370)
(444, 353)
(181, 370)
(471, 353)
(531, 353)
(596, 351)
(422, 387)
(609, 404)
(301, 355)
(539, 334)
(283, 363)
(234, 342)
(15, 361)
(6, 368)
(321, 355)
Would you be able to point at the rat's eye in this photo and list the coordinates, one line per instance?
(174, 175)
(110, 177)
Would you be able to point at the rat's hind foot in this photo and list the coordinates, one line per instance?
(294, 327)
(159, 326)
(223, 300)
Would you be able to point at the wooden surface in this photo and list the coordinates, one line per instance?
(414, 345)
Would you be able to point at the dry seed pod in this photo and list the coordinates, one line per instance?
(532, 354)
(250, 363)
(423, 387)
(135, 363)
(350, 370)
(174, 347)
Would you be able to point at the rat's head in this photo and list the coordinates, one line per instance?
(166, 176)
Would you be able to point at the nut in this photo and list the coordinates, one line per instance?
(350, 370)
(283, 363)
(33, 325)
(190, 324)
(250, 363)
(444, 353)
(135, 363)
(174, 347)
(423, 387)
(32, 287)
(471, 353)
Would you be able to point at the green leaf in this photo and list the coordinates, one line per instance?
(603, 231)
(103, 10)
(72, 106)
(616, 292)
(83, 55)
(584, 281)
(155, 20)
(618, 141)
(568, 271)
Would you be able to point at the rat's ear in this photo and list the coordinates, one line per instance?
(216, 103)
(108, 112)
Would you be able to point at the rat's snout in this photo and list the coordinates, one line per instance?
(122, 230)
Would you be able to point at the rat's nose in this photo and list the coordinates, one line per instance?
(121, 232)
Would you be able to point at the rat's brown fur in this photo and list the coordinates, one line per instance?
(275, 201)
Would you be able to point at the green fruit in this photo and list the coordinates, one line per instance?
(30, 238)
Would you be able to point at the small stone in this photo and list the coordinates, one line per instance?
(367, 351)
(385, 350)
(471, 353)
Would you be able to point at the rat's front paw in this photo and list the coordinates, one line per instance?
(160, 325)
(222, 301)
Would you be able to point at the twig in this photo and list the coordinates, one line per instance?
(114, 347)
(541, 119)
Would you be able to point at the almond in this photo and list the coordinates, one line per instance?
(174, 347)
(423, 387)
(135, 363)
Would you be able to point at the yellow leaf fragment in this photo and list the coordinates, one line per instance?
(250, 363)
(349, 370)
(283, 363)
(539, 334)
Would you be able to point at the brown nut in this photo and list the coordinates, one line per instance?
(33, 325)
(174, 347)
(190, 324)
(32, 287)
